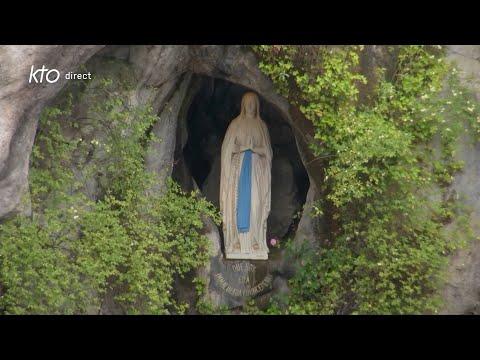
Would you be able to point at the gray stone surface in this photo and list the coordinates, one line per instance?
(285, 205)
(158, 70)
(232, 283)
(161, 73)
(155, 67)
(308, 227)
(462, 291)
(20, 104)
(159, 158)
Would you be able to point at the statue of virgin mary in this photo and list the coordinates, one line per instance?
(245, 181)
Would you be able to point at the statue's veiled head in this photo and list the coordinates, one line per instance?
(250, 105)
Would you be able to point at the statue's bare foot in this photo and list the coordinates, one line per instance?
(256, 247)
(236, 247)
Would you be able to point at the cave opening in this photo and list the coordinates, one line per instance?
(212, 105)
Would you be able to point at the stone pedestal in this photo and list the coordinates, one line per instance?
(236, 281)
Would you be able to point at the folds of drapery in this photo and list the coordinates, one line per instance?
(246, 133)
(244, 197)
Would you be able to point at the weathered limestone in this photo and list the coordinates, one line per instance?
(462, 291)
(20, 104)
(162, 75)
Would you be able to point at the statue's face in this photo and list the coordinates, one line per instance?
(250, 107)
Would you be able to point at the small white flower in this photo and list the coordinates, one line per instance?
(75, 217)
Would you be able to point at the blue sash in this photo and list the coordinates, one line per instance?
(244, 200)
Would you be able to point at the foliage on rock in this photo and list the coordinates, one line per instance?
(77, 246)
(386, 247)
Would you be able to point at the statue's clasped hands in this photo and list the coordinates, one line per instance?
(257, 150)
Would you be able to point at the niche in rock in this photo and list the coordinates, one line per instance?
(214, 104)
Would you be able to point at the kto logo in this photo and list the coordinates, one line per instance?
(51, 75)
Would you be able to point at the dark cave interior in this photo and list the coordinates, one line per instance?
(214, 105)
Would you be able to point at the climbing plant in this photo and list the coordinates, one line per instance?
(386, 246)
(97, 229)
(386, 145)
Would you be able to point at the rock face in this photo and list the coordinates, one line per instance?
(160, 153)
(462, 291)
(163, 76)
(215, 104)
(158, 69)
(21, 104)
(287, 203)
(177, 79)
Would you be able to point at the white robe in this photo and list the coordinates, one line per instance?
(242, 134)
